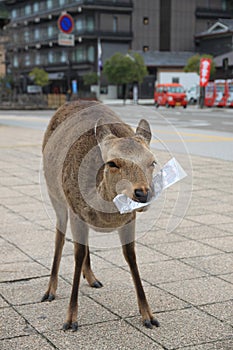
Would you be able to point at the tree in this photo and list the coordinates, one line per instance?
(90, 78)
(193, 64)
(125, 69)
(39, 76)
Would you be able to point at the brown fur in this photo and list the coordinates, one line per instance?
(90, 156)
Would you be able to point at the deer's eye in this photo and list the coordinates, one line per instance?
(112, 165)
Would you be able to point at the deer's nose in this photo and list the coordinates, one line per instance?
(142, 195)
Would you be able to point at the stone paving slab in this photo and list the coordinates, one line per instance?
(214, 265)
(31, 291)
(218, 345)
(187, 274)
(201, 291)
(223, 311)
(51, 316)
(199, 327)
(36, 342)
(104, 336)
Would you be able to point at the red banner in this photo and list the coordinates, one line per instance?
(205, 64)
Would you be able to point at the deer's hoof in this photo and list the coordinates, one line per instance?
(47, 297)
(97, 284)
(148, 324)
(70, 325)
(155, 322)
(151, 323)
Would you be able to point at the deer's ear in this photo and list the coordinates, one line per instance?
(143, 130)
(102, 130)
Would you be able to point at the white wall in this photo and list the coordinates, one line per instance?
(185, 79)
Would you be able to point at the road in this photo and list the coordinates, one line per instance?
(207, 132)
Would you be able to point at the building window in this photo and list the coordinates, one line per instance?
(49, 4)
(15, 62)
(27, 60)
(14, 13)
(28, 10)
(79, 54)
(79, 24)
(37, 59)
(145, 20)
(115, 24)
(62, 2)
(26, 36)
(36, 7)
(145, 48)
(91, 54)
(51, 57)
(175, 80)
(90, 23)
(64, 57)
(225, 63)
(37, 34)
(50, 31)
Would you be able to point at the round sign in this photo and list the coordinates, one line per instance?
(66, 23)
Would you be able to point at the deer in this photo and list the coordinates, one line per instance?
(89, 156)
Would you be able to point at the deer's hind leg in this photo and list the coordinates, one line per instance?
(88, 273)
(61, 225)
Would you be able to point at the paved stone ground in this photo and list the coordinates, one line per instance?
(187, 274)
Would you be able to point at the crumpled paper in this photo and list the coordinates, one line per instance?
(171, 173)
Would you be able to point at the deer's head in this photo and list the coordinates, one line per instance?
(128, 163)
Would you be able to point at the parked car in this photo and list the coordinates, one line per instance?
(170, 95)
(193, 94)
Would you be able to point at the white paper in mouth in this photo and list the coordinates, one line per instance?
(171, 173)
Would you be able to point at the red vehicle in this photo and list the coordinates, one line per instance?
(170, 95)
(216, 93)
(230, 92)
(210, 94)
(221, 87)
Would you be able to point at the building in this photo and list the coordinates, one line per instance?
(4, 20)
(34, 37)
(155, 27)
(170, 25)
(164, 32)
(218, 39)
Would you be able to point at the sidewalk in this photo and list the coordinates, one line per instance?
(187, 274)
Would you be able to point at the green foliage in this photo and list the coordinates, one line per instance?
(6, 80)
(39, 76)
(90, 78)
(193, 64)
(125, 69)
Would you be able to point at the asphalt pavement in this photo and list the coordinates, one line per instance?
(187, 273)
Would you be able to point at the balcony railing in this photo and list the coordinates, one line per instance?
(20, 41)
(71, 6)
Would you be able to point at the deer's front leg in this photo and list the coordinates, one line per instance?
(128, 246)
(80, 251)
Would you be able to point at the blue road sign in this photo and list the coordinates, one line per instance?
(66, 23)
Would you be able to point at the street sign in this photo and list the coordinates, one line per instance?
(66, 23)
(65, 39)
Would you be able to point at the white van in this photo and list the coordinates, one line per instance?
(193, 94)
